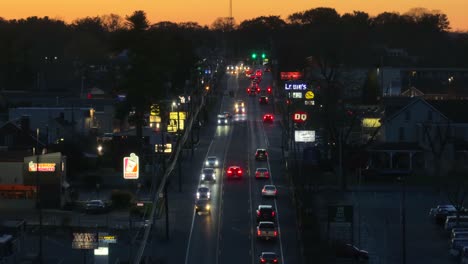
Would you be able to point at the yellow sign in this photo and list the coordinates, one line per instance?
(309, 95)
(155, 119)
(175, 116)
(371, 122)
(155, 110)
(172, 127)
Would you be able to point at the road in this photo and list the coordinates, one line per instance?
(228, 234)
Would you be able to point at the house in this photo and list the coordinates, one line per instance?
(17, 135)
(414, 134)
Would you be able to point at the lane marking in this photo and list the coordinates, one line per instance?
(249, 145)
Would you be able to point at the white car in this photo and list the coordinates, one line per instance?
(203, 193)
(269, 191)
(211, 162)
(222, 120)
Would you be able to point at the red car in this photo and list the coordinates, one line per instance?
(234, 172)
(262, 173)
(268, 118)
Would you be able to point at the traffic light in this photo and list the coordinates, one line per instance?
(263, 56)
(254, 55)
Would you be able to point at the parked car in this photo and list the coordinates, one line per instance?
(95, 206)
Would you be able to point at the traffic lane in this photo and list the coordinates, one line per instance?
(205, 227)
(271, 135)
(257, 140)
(235, 226)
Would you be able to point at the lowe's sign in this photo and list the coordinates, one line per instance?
(295, 86)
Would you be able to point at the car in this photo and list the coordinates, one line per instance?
(211, 162)
(266, 213)
(444, 207)
(266, 230)
(268, 258)
(262, 173)
(350, 251)
(253, 90)
(269, 191)
(208, 174)
(239, 107)
(222, 120)
(268, 118)
(203, 207)
(261, 154)
(203, 193)
(95, 206)
(263, 99)
(234, 172)
(269, 90)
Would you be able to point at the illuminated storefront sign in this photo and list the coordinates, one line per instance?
(131, 167)
(177, 115)
(85, 241)
(295, 86)
(371, 122)
(291, 75)
(43, 167)
(159, 148)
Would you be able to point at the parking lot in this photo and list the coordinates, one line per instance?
(378, 229)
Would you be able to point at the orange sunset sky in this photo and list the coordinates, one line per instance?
(206, 11)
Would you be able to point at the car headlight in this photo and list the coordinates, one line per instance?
(208, 194)
(225, 121)
(207, 207)
(216, 163)
(214, 176)
(203, 176)
(198, 195)
(219, 121)
(207, 163)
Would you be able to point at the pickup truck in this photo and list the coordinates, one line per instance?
(267, 230)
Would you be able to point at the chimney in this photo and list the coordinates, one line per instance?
(25, 124)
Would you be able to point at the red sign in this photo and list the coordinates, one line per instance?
(291, 75)
(300, 117)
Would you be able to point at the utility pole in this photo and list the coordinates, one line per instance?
(403, 219)
(38, 196)
(166, 205)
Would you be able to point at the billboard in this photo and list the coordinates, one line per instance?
(131, 167)
(304, 135)
(290, 75)
(85, 241)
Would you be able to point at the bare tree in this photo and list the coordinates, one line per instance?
(438, 137)
(224, 24)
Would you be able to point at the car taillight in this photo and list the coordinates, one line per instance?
(269, 89)
(258, 213)
(239, 171)
(257, 173)
(276, 233)
(275, 261)
(229, 172)
(258, 232)
(273, 213)
(263, 260)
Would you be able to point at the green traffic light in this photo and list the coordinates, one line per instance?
(263, 55)
(254, 55)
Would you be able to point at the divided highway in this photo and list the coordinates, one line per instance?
(228, 235)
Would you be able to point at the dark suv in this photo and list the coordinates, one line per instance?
(266, 213)
(261, 154)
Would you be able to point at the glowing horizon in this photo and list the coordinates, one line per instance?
(205, 12)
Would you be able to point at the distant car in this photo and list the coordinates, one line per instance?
(203, 193)
(263, 99)
(261, 154)
(234, 172)
(269, 90)
(441, 212)
(262, 173)
(202, 207)
(208, 174)
(222, 120)
(266, 230)
(269, 191)
(268, 118)
(351, 252)
(95, 206)
(268, 258)
(266, 213)
(211, 162)
(239, 107)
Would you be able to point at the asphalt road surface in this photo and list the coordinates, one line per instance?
(228, 234)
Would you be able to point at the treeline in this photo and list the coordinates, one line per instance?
(44, 53)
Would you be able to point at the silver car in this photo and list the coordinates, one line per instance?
(211, 162)
(269, 191)
(203, 193)
(208, 174)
